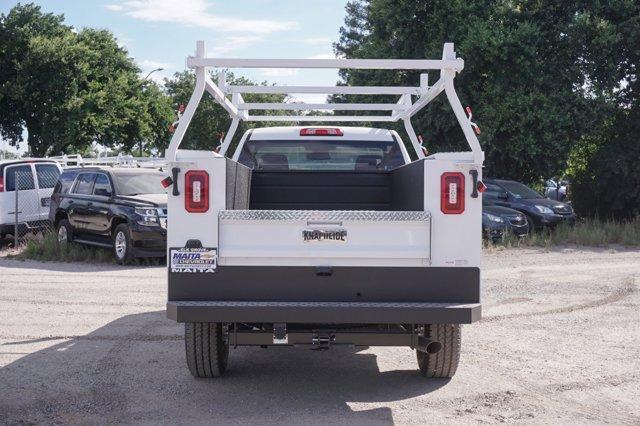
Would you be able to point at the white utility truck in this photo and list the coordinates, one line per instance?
(324, 235)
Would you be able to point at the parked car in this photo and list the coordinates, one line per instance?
(36, 179)
(541, 212)
(121, 208)
(497, 220)
(557, 189)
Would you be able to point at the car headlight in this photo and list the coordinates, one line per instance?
(543, 209)
(494, 218)
(147, 216)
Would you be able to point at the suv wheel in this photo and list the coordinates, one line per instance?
(206, 348)
(443, 363)
(122, 247)
(65, 233)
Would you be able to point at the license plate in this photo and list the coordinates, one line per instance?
(45, 201)
(322, 235)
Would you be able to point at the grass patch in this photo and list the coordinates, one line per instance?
(589, 232)
(46, 248)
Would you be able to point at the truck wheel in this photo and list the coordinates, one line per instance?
(122, 247)
(64, 232)
(207, 351)
(444, 363)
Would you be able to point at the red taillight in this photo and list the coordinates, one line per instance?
(1, 184)
(196, 197)
(452, 193)
(310, 131)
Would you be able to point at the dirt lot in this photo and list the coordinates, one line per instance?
(560, 342)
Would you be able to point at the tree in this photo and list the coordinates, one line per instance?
(521, 69)
(605, 179)
(69, 90)
(604, 165)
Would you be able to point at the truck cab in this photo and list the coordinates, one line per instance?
(323, 235)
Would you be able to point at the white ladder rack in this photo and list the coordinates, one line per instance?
(231, 99)
(121, 160)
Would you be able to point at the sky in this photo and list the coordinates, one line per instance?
(162, 33)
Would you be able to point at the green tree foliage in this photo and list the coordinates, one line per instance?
(536, 72)
(604, 169)
(211, 122)
(69, 89)
(604, 165)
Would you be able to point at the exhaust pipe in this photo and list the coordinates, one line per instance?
(429, 346)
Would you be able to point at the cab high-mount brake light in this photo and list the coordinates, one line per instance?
(452, 193)
(311, 131)
(196, 197)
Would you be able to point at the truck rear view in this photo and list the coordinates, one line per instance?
(324, 235)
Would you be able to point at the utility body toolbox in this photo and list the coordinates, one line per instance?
(324, 235)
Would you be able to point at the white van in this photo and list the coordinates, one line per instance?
(36, 179)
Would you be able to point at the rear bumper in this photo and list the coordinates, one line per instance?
(324, 312)
(353, 295)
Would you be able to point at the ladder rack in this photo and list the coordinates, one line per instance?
(121, 160)
(231, 99)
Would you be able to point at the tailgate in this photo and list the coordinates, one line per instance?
(319, 238)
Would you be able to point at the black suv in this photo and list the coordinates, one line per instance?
(541, 212)
(121, 208)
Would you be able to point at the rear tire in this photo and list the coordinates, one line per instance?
(444, 363)
(206, 349)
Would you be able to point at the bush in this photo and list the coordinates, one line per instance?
(590, 232)
(605, 170)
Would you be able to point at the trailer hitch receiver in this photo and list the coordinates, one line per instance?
(322, 341)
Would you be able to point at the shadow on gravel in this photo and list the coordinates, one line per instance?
(133, 370)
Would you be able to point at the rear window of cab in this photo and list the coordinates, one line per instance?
(338, 155)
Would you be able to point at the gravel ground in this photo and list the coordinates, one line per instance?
(559, 343)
